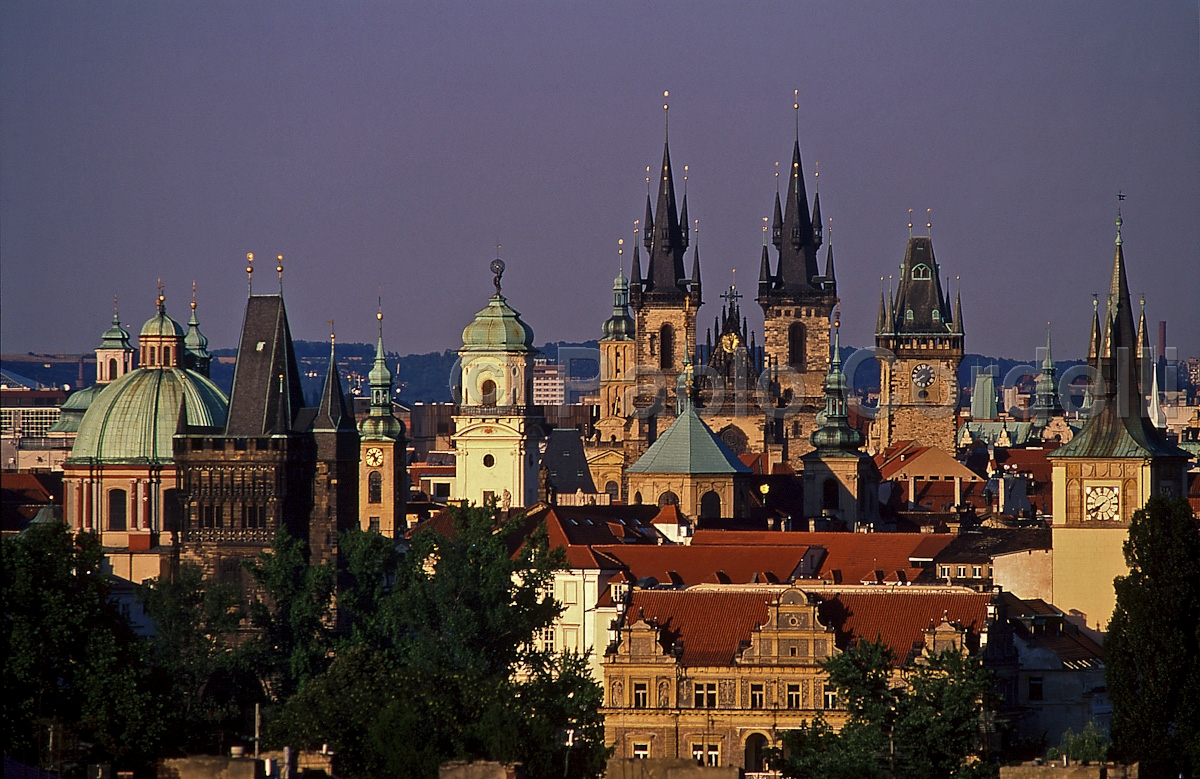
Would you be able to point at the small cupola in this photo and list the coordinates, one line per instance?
(160, 344)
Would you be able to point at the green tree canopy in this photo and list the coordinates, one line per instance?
(924, 726)
(1152, 651)
(72, 663)
(442, 648)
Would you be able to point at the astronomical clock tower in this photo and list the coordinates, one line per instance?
(497, 429)
(918, 380)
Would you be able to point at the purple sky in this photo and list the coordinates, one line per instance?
(382, 146)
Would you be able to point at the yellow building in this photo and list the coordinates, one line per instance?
(1112, 467)
(718, 673)
(383, 471)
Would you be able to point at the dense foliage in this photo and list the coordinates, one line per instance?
(1152, 652)
(926, 726)
(430, 655)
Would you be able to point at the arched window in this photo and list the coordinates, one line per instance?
(710, 505)
(375, 487)
(637, 498)
(487, 392)
(614, 490)
(908, 315)
(166, 355)
(756, 745)
(666, 347)
(112, 369)
(668, 498)
(831, 495)
(921, 272)
(118, 506)
(797, 341)
(153, 355)
(937, 315)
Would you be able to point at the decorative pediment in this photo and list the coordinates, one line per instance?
(792, 635)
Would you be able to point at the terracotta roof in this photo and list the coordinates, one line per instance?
(901, 618)
(22, 496)
(668, 515)
(687, 565)
(711, 624)
(903, 459)
(985, 544)
(850, 558)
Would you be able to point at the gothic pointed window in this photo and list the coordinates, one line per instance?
(921, 272)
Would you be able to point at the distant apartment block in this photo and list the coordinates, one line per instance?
(549, 384)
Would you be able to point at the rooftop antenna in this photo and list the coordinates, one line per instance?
(279, 270)
(249, 274)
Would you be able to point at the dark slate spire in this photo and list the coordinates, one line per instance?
(816, 220)
(684, 224)
(797, 250)
(635, 280)
(195, 343)
(665, 274)
(958, 323)
(332, 413)
(1093, 352)
(1118, 349)
(764, 271)
(1045, 400)
(777, 223)
(881, 322)
(830, 274)
(695, 286)
(920, 306)
(266, 394)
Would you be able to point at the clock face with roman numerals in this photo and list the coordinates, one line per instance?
(1102, 503)
(374, 457)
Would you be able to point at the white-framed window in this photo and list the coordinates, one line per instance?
(758, 697)
(641, 695)
(793, 696)
(706, 754)
(962, 571)
(977, 571)
(830, 700)
(641, 751)
(706, 695)
(944, 572)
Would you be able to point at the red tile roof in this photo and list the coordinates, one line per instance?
(688, 565)
(854, 556)
(713, 623)
(901, 618)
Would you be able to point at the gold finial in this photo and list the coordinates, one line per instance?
(776, 177)
(666, 95)
(685, 178)
(910, 223)
(161, 297)
(193, 295)
(666, 115)
(929, 222)
(765, 226)
(249, 273)
(647, 181)
(279, 270)
(332, 334)
(621, 253)
(817, 177)
(796, 108)
(831, 231)
(636, 228)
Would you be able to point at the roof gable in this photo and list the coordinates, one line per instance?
(688, 446)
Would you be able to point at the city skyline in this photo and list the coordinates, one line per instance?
(387, 151)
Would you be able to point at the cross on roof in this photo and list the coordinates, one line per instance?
(732, 295)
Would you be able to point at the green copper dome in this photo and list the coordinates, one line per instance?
(497, 328)
(115, 337)
(619, 326)
(162, 325)
(134, 419)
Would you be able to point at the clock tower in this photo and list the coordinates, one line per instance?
(918, 372)
(1112, 466)
(383, 476)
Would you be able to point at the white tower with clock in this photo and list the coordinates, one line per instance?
(497, 429)
(383, 475)
(918, 378)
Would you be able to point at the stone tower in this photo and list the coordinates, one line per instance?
(797, 302)
(618, 357)
(918, 380)
(335, 483)
(665, 299)
(383, 479)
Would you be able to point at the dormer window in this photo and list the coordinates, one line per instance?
(908, 315)
(937, 315)
(921, 272)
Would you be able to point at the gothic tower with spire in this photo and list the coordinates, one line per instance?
(1110, 468)
(918, 377)
(383, 479)
(335, 483)
(665, 299)
(797, 301)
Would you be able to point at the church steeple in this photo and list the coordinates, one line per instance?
(332, 413)
(620, 326)
(1045, 402)
(381, 423)
(797, 247)
(834, 436)
(665, 274)
(195, 343)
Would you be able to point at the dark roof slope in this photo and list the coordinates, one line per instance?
(266, 395)
(565, 462)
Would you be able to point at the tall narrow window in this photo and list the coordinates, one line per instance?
(757, 696)
(830, 497)
(375, 487)
(118, 502)
(710, 505)
(641, 695)
(796, 344)
(487, 393)
(793, 696)
(166, 355)
(112, 369)
(666, 347)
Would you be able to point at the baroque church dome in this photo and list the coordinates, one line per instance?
(161, 325)
(497, 327)
(134, 419)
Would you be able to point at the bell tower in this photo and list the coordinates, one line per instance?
(497, 429)
(114, 355)
(383, 479)
(618, 357)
